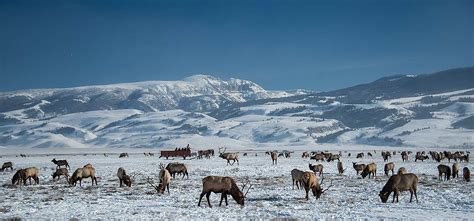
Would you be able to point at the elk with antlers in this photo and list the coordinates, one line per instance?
(225, 186)
(310, 182)
(229, 156)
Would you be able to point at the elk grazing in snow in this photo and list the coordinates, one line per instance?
(389, 167)
(81, 173)
(60, 163)
(123, 177)
(297, 177)
(369, 169)
(229, 156)
(225, 186)
(24, 174)
(310, 182)
(443, 169)
(60, 172)
(398, 183)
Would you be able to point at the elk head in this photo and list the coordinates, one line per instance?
(241, 196)
(318, 190)
(383, 196)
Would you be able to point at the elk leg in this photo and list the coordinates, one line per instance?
(237, 162)
(411, 195)
(200, 198)
(168, 187)
(120, 182)
(222, 198)
(207, 197)
(394, 195)
(225, 197)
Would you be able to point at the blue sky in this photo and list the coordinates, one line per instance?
(317, 45)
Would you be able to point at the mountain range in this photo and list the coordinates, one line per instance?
(429, 110)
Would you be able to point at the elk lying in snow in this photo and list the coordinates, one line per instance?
(179, 168)
(402, 170)
(7, 165)
(310, 182)
(60, 172)
(443, 169)
(24, 174)
(318, 168)
(466, 174)
(123, 155)
(369, 169)
(455, 170)
(229, 156)
(297, 177)
(274, 156)
(123, 177)
(81, 173)
(223, 185)
(389, 167)
(358, 167)
(398, 183)
(60, 163)
(340, 168)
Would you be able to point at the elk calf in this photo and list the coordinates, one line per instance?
(60, 172)
(398, 183)
(225, 186)
(123, 177)
(60, 163)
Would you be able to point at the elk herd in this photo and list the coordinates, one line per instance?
(307, 180)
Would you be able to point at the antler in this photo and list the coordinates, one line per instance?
(151, 184)
(162, 166)
(330, 185)
(245, 184)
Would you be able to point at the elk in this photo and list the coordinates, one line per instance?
(389, 167)
(178, 168)
(402, 170)
(404, 156)
(421, 157)
(333, 157)
(24, 174)
(225, 186)
(358, 167)
(466, 174)
(60, 163)
(369, 154)
(165, 179)
(318, 157)
(122, 155)
(340, 168)
(81, 173)
(274, 156)
(123, 177)
(443, 169)
(316, 168)
(455, 170)
(305, 154)
(310, 182)
(7, 165)
(360, 155)
(369, 169)
(229, 156)
(60, 172)
(297, 177)
(398, 183)
(386, 155)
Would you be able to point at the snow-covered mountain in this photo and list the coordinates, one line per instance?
(207, 112)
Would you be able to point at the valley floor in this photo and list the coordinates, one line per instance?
(272, 195)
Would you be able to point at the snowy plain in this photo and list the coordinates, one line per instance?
(271, 196)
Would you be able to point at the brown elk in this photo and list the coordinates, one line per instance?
(165, 179)
(402, 170)
(317, 157)
(369, 169)
(17, 177)
(455, 170)
(397, 184)
(123, 177)
(389, 167)
(466, 174)
(421, 157)
(229, 156)
(297, 177)
(7, 165)
(404, 156)
(177, 168)
(225, 186)
(386, 155)
(360, 155)
(340, 168)
(60, 172)
(122, 155)
(274, 156)
(358, 167)
(81, 173)
(310, 182)
(443, 169)
(305, 154)
(318, 168)
(333, 157)
(60, 163)
(26, 174)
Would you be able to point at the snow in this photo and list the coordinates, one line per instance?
(271, 196)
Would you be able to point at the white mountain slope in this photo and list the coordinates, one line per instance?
(207, 112)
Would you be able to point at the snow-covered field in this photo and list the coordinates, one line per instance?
(272, 195)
